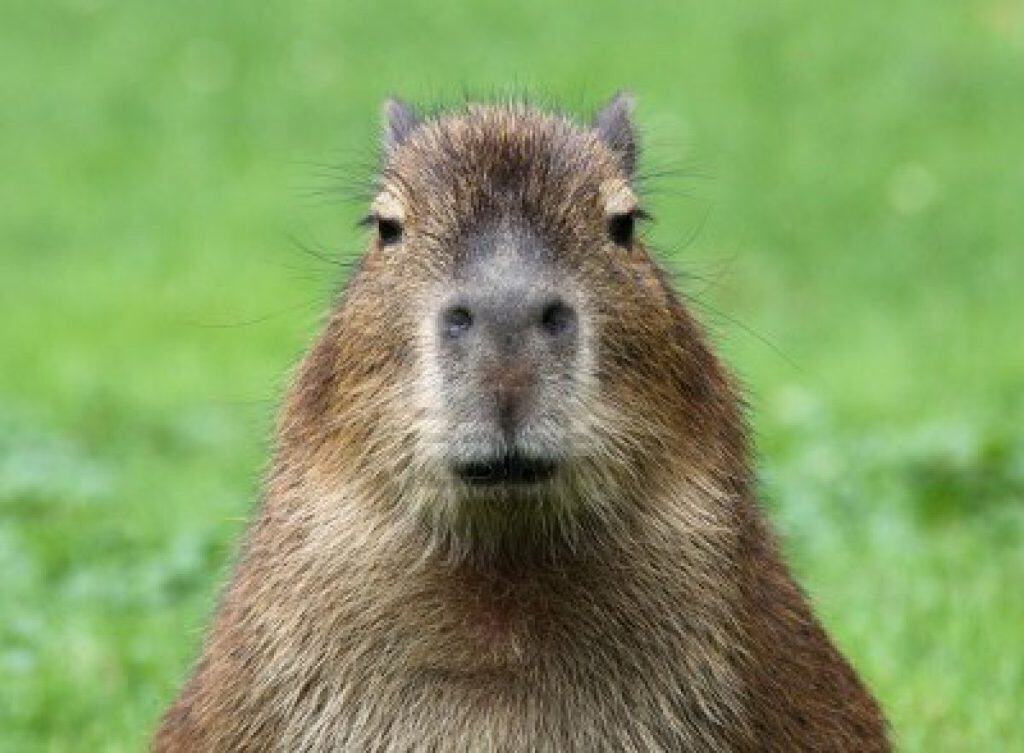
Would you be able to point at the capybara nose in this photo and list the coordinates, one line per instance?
(510, 321)
(500, 339)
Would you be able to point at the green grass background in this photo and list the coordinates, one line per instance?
(845, 211)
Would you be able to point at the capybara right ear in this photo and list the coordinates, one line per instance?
(399, 120)
(614, 124)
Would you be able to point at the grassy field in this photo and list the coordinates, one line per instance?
(842, 198)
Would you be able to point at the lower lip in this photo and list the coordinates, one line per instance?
(506, 472)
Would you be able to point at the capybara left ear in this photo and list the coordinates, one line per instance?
(614, 124)
(399, 120)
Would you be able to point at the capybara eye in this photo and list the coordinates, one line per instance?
(389, 231)
(621, 227)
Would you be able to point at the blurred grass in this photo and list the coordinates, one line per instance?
(851, 179)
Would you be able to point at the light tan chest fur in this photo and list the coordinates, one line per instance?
(572, 660)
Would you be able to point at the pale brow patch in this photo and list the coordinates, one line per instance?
(618, 197)
(386, 205)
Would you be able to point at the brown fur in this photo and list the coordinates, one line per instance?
(645, 608)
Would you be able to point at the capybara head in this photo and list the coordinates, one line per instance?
(508, 364)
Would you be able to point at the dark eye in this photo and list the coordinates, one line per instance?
(621, 228)
(389, 231)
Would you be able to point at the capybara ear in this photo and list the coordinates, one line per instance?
(614, 124)
(399, 120)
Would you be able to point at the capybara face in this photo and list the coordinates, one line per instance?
(536, 334)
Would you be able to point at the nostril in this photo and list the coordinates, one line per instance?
(456, 321)
(557, 318)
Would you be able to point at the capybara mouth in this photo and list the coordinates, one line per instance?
(508, 470)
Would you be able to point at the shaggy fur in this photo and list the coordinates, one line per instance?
(637, 602)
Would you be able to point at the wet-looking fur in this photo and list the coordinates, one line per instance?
(618, 590)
